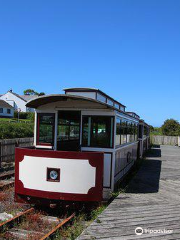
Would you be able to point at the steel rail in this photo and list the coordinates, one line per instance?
(50, 234)
(6, 224)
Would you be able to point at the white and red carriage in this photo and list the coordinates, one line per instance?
(84, 144)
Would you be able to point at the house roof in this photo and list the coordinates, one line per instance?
(28, 97)
(25, 98)
(17, 95)
(5, 104)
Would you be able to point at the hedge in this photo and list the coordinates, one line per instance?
(24, 115)
(15, 130)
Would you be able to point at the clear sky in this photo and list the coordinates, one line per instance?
(128, 48)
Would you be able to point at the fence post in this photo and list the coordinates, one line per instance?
(17, 143)
(178, 141)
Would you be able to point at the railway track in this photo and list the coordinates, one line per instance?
(32, 225)
(6, 179)
(29, 224)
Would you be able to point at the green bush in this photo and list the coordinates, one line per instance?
(22, 115)
(156, 131)
(15, 130)
(30, 116)
(171, 127)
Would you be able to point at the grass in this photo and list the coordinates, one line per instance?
(72, 231)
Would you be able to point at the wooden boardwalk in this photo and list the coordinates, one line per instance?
(152, 201)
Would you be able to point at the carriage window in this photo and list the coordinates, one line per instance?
(130, 132)
(135, 131)
(118, 133)
(145, 131)
(126, 131)
(68, 125)
(123, 131)
(98, 131)
(45, 128)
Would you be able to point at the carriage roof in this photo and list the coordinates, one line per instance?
(45, 99)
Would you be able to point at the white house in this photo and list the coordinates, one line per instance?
(18, 102)
(6, 110)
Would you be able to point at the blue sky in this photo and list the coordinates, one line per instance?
(128, 48)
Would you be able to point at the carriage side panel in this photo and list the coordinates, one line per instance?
(80, 174)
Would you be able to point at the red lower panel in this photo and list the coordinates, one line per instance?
(95, 160)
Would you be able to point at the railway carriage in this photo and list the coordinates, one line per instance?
(84, 144)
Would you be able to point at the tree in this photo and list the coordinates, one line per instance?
(41, 94)
(151, 128)
(32, 92)
(171, 127)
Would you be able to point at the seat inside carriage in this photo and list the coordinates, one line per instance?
(84, 144)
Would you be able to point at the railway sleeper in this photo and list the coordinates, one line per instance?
(5, 184)
(6, 174)
(16, 233)
(34, 227)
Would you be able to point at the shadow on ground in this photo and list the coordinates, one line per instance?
(155, 152)
(147, 178)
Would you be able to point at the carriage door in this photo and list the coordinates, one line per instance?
(68, 138)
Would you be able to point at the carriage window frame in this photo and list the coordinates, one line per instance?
(118, 131)
(69, 125)
(136, 132)
(38, 130)
(123, 128)
(126, 126)
(90, 131)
